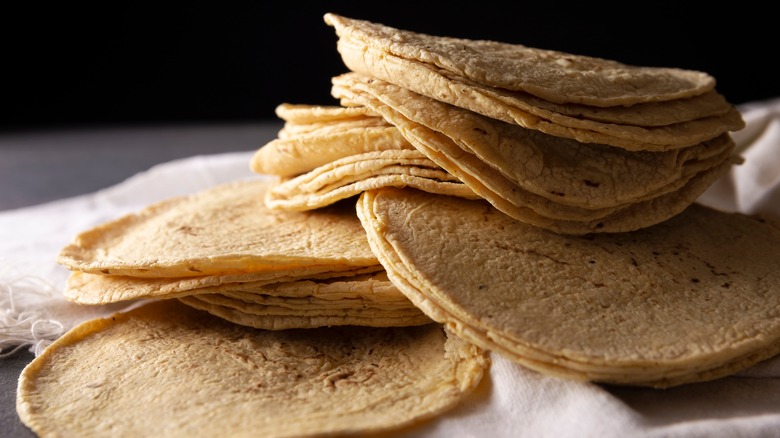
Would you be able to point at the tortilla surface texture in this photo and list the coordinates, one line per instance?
(692, 299)
(164, 369)
(220, 231)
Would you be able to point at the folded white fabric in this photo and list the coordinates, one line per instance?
(753, 186)
(33, 311)
(513, 401)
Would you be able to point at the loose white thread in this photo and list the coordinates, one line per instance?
(19, 327)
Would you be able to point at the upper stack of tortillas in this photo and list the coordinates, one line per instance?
(324, 154)
(569, 143)
(561, 146)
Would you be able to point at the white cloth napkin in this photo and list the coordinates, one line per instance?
(512, 401)
(32, 310)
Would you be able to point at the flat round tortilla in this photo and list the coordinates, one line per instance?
(302, 119)
(303, 147)
(309, 114)
(691, 299)
(222, 230)
(294, 155)
(551, 75)
(167, 369)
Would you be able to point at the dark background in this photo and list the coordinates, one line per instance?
(71, 66)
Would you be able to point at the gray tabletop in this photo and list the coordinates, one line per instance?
(37, 167)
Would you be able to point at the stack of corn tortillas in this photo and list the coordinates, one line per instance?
(223, 251)
(568, 143)
(250, 321)
(326, 154)
(550, 182)
(463, 197)
(563, 148)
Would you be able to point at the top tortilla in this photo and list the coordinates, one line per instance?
(440, 84)
(555, 76)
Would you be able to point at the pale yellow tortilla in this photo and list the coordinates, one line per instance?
(311, 114)
(292, 130)
(299, 154)
(551, 75)
(303, 147)
(653, 125)
(303, 119)
(167, 370)
(222, 230)
(691, 299)
(85, 288)
(351, 175)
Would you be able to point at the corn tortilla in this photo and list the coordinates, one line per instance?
(691, 299)
(166, 369)
(222, 230)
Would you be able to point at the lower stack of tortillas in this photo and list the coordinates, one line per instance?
(299, 331)
(458, 202)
